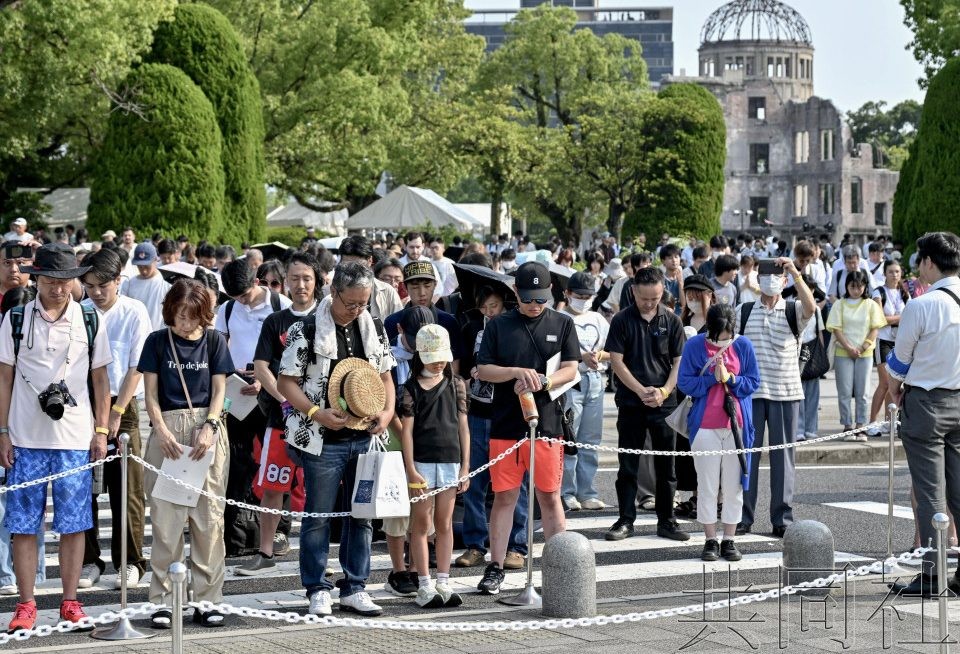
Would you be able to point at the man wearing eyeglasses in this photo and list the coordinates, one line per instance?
(13, 255)
(384, 300)
(514, 355)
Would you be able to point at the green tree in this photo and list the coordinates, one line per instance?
(682, 178)
(902, 197)
(62, 62)
(890, 132)
(159, 169)
(936, 32)
(931, 193)
(201, 42)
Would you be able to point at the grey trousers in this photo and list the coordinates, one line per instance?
(931, 439)
(780, 418)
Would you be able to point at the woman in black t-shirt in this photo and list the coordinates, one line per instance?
(184, 375)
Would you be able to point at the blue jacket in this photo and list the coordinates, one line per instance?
(697, 386)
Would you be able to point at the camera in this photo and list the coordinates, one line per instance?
(54, 400)
(769, 267)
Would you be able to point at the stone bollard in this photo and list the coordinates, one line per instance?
(808, 554)
(569, 577)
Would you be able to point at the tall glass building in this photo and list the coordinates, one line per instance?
(651, 26)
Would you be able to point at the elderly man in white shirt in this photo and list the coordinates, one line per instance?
(18, 231)
(925, 379)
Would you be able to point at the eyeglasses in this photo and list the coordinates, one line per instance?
(353, 306)
(538, 301)
(273, 284)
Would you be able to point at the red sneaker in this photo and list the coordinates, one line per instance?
(24, 616)
(72, 611)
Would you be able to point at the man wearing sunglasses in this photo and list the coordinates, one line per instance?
(513, 354)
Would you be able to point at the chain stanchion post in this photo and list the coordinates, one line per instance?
(529, 597)
(178, 576)
(941, 522)
(891, 567)
(123, 630)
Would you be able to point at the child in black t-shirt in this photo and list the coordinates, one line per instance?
(436, 447)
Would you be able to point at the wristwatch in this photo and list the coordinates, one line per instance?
(545, 382)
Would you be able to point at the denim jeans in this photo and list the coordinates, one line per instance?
(580, 469)
(809, 422)
(475, 523)
(321, 482)
(7, 577)
(853, 377)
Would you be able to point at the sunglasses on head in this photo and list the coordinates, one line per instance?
(538, 301)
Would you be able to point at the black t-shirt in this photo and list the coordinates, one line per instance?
(648, 349)
(506, 342)
(270, 346)
(198, 362)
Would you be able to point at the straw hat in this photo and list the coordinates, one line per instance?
(356, 389)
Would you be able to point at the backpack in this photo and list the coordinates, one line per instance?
(790, 310)
(91, 323)
(228, 309)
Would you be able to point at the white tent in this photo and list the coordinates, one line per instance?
(408, 207)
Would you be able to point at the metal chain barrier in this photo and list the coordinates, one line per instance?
(752, 450)
(59, 475)
(522, 625)
(304, 514)
(65, 626)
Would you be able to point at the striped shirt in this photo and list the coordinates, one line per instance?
(777, 350)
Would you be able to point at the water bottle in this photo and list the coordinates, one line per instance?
(529, 407)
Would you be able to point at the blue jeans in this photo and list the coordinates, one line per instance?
(580, 469)
(475, 524)
(809, 422)
(7, 577)
(321, 484)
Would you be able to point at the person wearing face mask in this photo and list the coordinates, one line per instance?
(776, 403)
(720, 373)
(586, 398)
(508, 260)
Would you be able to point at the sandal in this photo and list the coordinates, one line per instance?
(208, 618)
(161, 619)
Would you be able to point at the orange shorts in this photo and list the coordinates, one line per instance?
(277, 471)
(508, 474)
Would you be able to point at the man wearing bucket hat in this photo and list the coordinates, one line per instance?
(327, 435)
(513, 355)
(50, 424)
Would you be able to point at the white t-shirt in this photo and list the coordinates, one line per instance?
(26, 237)
(245, 324)
(892, 307)
(592, 331)
(128, 325)
(43, 353)
(151, 293)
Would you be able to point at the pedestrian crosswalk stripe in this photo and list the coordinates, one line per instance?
(879, 508)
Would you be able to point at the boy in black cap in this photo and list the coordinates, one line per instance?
(513, 355)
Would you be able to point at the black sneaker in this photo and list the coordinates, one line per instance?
(672, 531)
(686, 509)
(619, 530)
(711, 550)
(742, 529)
(492, 578)
(400, 584)
(729, 551)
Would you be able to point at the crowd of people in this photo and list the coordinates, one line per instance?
(706, 347)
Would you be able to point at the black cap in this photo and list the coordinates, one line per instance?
(533, 282)
(582, 284)
(697, 283)
(413, 318)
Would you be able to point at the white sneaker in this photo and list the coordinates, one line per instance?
(9, 589)
(89, 575)
(320, 603)
(429, 598)
(450, 598)
(360, 603)
(133, 577)
(572, 503)
(593, 504)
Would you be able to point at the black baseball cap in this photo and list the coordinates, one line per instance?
(697, 283)
(582, 284)
(533, 282)
(413, 318)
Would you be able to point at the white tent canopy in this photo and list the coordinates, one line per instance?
(408, 207)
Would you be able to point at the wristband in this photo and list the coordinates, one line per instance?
(664, 392)
(417, 485)
(4, 430)
(214, 425)
(312, 410)
(102, 430)
(548, 385)
(119, 410)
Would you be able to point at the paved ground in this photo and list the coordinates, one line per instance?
(638, 574)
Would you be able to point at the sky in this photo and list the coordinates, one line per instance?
(859, 54)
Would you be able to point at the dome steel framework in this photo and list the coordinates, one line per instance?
(756, 20)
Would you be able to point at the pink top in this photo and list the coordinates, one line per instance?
(714, 417)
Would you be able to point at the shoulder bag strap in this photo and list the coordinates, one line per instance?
(715, 356)
(951, 294)
(176, 360)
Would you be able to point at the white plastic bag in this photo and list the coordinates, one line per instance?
(380, 488)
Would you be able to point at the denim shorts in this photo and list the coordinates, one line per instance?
(438, 474)
(71, 495)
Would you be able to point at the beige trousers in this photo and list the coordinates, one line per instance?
(207, 549)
